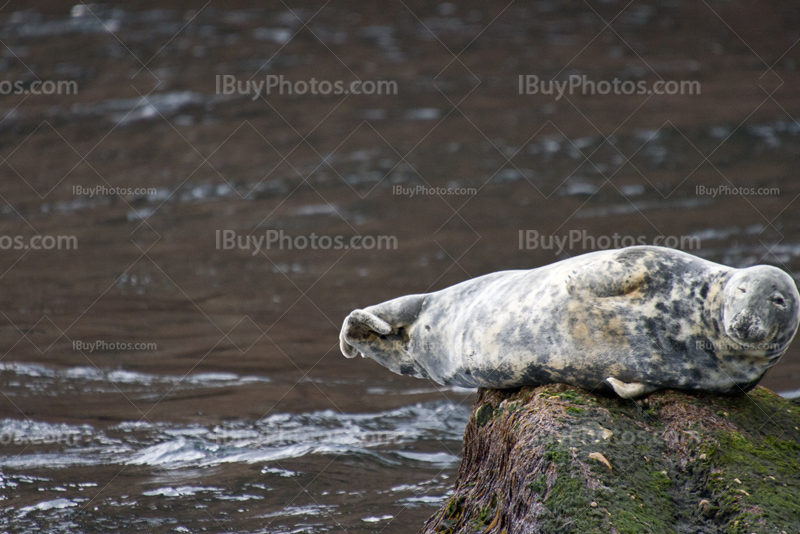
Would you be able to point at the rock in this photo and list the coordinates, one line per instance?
(558, 459)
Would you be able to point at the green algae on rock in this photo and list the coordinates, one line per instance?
(558, 459)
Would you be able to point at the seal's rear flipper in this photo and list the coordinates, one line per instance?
(383, 323)
(360, 326)
(630, 390)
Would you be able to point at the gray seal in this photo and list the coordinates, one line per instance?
(631, 320)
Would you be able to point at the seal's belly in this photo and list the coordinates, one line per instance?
(582, 342)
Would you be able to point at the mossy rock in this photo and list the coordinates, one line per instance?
(558, 459)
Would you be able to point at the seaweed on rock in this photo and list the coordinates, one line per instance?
(558, 459)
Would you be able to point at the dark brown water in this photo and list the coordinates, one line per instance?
(153, 380)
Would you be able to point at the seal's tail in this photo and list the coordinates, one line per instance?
(358, 326)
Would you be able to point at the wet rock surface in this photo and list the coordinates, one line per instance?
(560, 459)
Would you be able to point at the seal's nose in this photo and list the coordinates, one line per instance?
(742, 326)
(749, 328)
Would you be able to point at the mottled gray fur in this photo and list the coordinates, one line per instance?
(633, 320)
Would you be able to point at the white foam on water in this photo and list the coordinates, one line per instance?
(309, 510)
(113, 380)
(377, 519)
(56, 504)
(245, 497)
(430, 500)
(710, 234)
(278, 437)
(279, 472)
(423, 114)
(420, 391)
(284, 436)
(438, 458)
(180, 451)
(181, 491)
(636, 207)
(317, 209)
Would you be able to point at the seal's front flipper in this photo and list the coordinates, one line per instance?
(630, 390)
(360, 325)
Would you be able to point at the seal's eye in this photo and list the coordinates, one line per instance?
(778, 300)
(743, 290)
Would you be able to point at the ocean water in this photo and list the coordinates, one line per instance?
(175, 367)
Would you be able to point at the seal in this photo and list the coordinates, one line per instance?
(629, 320)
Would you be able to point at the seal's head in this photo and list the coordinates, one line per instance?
(761, 309)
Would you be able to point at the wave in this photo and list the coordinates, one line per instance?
(409, 435)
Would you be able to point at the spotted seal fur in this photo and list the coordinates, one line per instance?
(631, 320)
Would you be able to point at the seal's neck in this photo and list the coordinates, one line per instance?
(714, 304)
